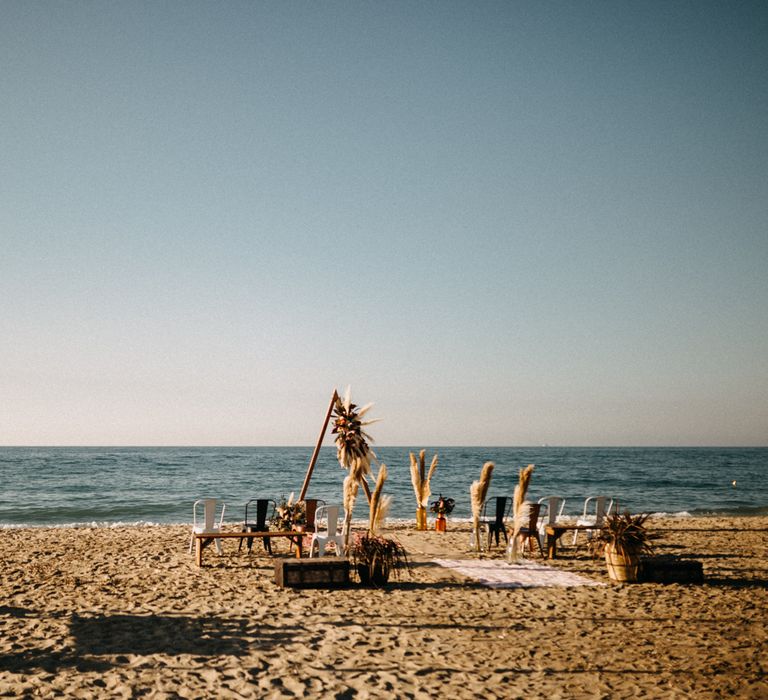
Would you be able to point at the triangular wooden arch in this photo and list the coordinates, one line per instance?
(316, 453)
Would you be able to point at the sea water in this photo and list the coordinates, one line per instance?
(131, 485)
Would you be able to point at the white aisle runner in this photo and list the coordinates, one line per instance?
(500, 574)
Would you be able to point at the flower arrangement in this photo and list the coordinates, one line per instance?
(352, 448)
(289, 515)
(442, 506)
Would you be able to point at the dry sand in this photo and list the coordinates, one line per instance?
(125, 613)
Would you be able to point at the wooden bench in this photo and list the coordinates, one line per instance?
(555, 532)
(203, 539)
(323, 572)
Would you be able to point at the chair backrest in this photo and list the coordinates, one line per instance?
(555, 506)
(329, 514)
(209, 513)
(501, 506)
(533, 516)
(265, 510)
(310, 508)
(600, 508)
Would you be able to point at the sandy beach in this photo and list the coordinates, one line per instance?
(125, 613)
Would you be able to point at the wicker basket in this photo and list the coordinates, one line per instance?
(621, 568)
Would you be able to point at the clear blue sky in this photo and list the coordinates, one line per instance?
(505, 223)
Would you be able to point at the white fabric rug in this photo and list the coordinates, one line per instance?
(500, 574)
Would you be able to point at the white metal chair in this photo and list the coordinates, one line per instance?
(209, 524)
(555, 506)
(326, 531)
(596, 518)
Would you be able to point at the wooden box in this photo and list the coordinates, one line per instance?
(670, 570)
(322, 572)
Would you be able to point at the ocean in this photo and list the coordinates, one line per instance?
(108, 486)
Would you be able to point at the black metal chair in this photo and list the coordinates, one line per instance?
(495, 514)
(265, 511)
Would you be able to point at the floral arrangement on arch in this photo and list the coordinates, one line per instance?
(289, 514)
(443, 505)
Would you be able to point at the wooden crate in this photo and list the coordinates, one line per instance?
(670, 570)
(322, 572)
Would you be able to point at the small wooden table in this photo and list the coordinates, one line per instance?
(203, 539)
(554, 532)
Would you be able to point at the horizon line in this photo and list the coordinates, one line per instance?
(391, 446)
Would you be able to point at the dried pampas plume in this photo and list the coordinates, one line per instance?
(521, 489)
(477, 494)
(376, 497)
(520, 509)
(419, 480)
(381, 513)
(351, 485)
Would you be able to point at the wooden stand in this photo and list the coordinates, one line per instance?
(315, 454)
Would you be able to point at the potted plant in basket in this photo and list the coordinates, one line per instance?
(624, 538)
(374, 556)
(441, 507)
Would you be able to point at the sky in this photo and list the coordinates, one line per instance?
(504, 223)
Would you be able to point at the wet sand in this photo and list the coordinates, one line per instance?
(126, 613)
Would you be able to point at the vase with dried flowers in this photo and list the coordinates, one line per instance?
(420, 479)
(441, 507)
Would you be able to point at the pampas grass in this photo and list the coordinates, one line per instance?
(376, 496)
(477, 494)
(521, 489)
(379, 506)
(521, 511)
(351, 485)
(419, 480)
(381, 513)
